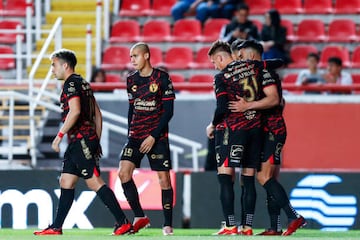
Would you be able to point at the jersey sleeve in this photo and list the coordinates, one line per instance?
(72, 88)
(268, 78)
(167, 88)
(219, 86)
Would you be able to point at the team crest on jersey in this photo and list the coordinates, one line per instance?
(134, 88)
(227, 75)
(153, 87)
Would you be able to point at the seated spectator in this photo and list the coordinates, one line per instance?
(335, 74)
(98, 75)
(240, 27)
(183, 8)
(273, 37)
(312, 74)
(217, 8)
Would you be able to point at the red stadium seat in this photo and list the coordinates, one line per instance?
(202, 59)
(290, 78)
(161, 7)
(342, 30)
(335, 51)
(212, 28)
(186, 30)
(9, 38)
(202, 78)
(156, 56)
(356, 58)
(290, 34)
(288, 6)
(311, 30)
(15, 8)
(125, 31)
(134, 8)
(156, 31)
(7, 63)
(113, 78)
(318, 6)
(176, 77)
(178, 58)
(299, 53)
(356, 78)
(347, 6)
(258, 6)
(116, 58)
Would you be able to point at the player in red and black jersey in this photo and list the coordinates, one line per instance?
(238, 136)
(82, 122)
(151, 104)
(271, 104)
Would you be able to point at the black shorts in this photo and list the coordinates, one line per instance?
(240, 148)
(81, 158)
(273, 144)
(159, 155)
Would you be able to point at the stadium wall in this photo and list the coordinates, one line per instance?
(28, 199)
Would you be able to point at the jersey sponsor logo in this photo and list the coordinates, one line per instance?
(144, 105)
(166, 163)
(278, 149)
(153, 88)
(311, 200)
(236, 152)
(157, 156)
(134, 88)
(84, 172)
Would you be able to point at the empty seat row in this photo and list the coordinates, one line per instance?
(117, 58)
(184, 30)
(13, 8)
(291, 78)
(305, 6)
(9, 37)
(134, 8)
(6, 61)
(298, 54)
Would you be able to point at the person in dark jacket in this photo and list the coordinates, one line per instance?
(240, 27)
(273, 36)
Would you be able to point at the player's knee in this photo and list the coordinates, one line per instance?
(124, 176)
(262, 178)
(165, 182)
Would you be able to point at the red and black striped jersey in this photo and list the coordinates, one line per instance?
(146, 96)
(76, 86)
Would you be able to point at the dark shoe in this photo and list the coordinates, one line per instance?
(270, 232)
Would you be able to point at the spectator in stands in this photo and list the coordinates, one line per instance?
(98, 75)
(218, 8)
(273, 37)
(335, 74)
(240, 27)
(184, 8)
(312, 74)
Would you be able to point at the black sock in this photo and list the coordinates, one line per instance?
(274, 213)
(65, 202)
(227, 198)
(249, 199)
(274, 188)
(167, 203)
(132, 197)
(110, 201)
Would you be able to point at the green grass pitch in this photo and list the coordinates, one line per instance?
(156, 234)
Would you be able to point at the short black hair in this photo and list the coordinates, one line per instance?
(253, 44)
(66, 55)
(335, 60)
(219, 46)
(314, 55)
(235, 45)
(242, 6)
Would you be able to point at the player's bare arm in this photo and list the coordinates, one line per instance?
(98, 120)
(270, 100)
(71, 118)
(210, 131)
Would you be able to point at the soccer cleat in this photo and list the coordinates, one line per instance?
(123, 229)
(246, 232)
(294, 225)
(167, 230)
(270, 232)
(140, 223)
(49, 231)
(227, 231)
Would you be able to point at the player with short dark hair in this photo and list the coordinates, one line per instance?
(238, 136)
(82, 122)
(271, 104)
(151, 105)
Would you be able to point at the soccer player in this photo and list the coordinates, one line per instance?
(151, 106)
(274, 139)
(238, 136)
(82, 122)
